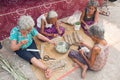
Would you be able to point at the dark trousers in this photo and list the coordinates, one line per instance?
(28, 55)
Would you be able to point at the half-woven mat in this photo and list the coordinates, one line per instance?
(58, 68)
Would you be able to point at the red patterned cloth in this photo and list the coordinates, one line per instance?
(11, 10)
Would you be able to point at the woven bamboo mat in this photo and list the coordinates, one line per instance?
(49, 50)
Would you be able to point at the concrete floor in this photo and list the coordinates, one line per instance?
(112, 35)
(111, 69)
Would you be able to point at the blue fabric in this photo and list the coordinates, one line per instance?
(15, 34)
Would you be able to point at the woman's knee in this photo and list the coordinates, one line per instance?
(72, 54)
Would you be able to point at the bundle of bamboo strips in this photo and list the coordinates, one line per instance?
(72, 38)
(75, 37)
(4, 64)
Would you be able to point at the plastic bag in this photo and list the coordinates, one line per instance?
(74, 18)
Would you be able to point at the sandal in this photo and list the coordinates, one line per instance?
(105, 13)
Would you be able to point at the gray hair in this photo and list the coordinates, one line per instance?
(93, 3)
(25, 22)
(97, 31)
(52, 14)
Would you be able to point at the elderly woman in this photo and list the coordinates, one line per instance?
(97, 55)
(89, 15)
(21, 38)
(48, 26)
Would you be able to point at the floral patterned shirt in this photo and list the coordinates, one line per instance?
(15, 34)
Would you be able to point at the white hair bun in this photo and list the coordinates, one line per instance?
(52, 14)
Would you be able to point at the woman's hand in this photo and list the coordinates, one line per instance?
(60, 32)
(52, 42)
(85, 45)
(82, 44)
(55, 35)
(23, 42)
(81, 52)
(16, 46)
(86, 27)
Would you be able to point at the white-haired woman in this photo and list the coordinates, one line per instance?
(89, 15)
(96, 58)
(48, 26)
(21, 38)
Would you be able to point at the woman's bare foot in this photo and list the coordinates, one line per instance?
(48, 73)
(84, 71)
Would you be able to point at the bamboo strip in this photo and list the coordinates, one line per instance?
(79, 36)
(66, 39)
(75, 37)
(11, 69)
(71, 37)
(69, 40)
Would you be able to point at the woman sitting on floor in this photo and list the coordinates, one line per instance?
(21, 38)
(48, 26)
(89, 15)
(96, 58)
